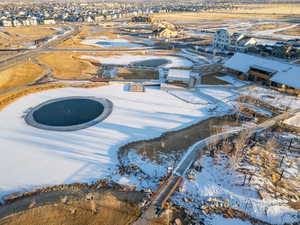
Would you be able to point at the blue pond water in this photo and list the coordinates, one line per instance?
(68, 112)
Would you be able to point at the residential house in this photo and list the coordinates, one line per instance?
(232, 41)
(222, 39)
(49, 21)
(6, 22)
(32, 20)
(17, 22)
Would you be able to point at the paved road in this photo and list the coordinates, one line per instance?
(6, 63)
(99, 49)
(192, 154)
(49, 71)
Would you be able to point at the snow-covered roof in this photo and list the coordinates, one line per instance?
(242, 62)
(286, 73)
(289, 77)
(177, 74)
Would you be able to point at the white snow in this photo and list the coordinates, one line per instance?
(272, 97)
(105, 42)
(242, 62)
(220, 220)
(265, 42)
(274, 32)
(219, 93)
(217, 181)
(151, 171)
(232, 80)
(32, 158)
(294, 121)
(189, 96)
(128, 59)
(179, 75)
(200, 59)
(290, 77)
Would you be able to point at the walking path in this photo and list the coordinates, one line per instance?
(189, 158)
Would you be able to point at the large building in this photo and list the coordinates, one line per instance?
(221, 39)
(266, 71)
(226, 40)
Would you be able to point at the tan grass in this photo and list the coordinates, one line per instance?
(19, 75)
(124, 73)
(68, 65)
(270, 11)
(12, 96)
(110, 211)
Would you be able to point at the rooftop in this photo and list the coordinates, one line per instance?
(285, 73)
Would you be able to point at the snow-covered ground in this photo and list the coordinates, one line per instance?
(274, 32)
(255, 108)
(294, 121)
(196, 57)
(32, 158)
(220, 220)
(219, 92)
(265, 42)
(104, 42)
(61, 29)
(272, 97)
(145, 41)
(150, 174)
(128, 59)
(189, 96)
(217, 181)
(232, 80)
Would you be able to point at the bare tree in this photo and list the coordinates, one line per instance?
(240, 144)
(270, 146)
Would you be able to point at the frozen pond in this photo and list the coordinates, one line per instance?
(143, 60)
(151, 62)
(104, 42)
(69, 114)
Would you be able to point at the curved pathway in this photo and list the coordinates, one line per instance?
(168, 188)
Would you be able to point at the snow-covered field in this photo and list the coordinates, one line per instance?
(189, 96)
(104, 42)
(128, 59)
(33, 158)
